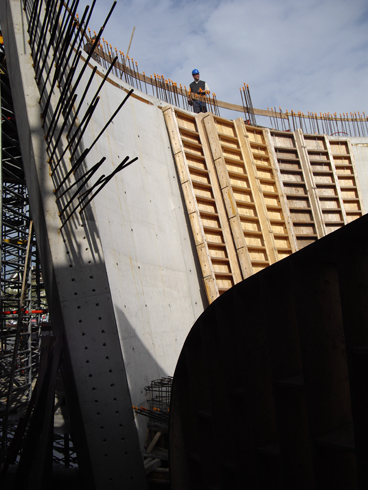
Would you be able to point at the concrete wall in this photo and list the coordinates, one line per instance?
(146, 239)
(121, 278)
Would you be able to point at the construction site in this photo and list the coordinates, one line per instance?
(184, 295)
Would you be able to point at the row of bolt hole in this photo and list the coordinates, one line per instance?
(110, 371)
(93, 290)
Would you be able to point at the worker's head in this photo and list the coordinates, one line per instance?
(195, 74)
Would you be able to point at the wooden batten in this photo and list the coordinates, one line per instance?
(336, 177)
(359, 192)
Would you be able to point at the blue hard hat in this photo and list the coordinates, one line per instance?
(195, 72)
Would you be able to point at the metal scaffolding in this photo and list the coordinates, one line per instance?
(23, 301)
(26, 337)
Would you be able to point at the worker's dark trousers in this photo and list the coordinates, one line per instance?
(199, 106)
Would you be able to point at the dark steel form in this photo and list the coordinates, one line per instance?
(270, 390)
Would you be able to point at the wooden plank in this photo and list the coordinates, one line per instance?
(197, 228)
(151, 465)
(176, 144)
(212, 291)
(153, 442)
(205, 260)
(189, 197)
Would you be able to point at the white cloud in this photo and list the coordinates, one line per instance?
(301, 55)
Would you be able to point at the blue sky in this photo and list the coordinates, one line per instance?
(309, 55)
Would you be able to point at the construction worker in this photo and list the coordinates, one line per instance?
(198, 87)
(88, 48)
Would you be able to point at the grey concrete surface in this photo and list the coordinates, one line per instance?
(121, 279)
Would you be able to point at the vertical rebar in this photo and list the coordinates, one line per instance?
(43, 31)
(49, 28)
(81, 101)
(33, 20)
(61, 102)
(83, 125)
(61, 130)
(87, 150)
(145, 82)
(50, 44)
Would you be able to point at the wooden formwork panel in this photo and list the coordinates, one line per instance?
(270, 185)
(296, 187)
(254, 196)
(252, 193)
(342, 160)
(211, 230)
(325, 182)
(241, 196)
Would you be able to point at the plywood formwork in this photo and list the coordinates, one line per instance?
(300, 200)
(276, 191)
(270, 187)
(319, 181)
(325, 181)
(245, 207)
(344, 165)
(223, 191)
